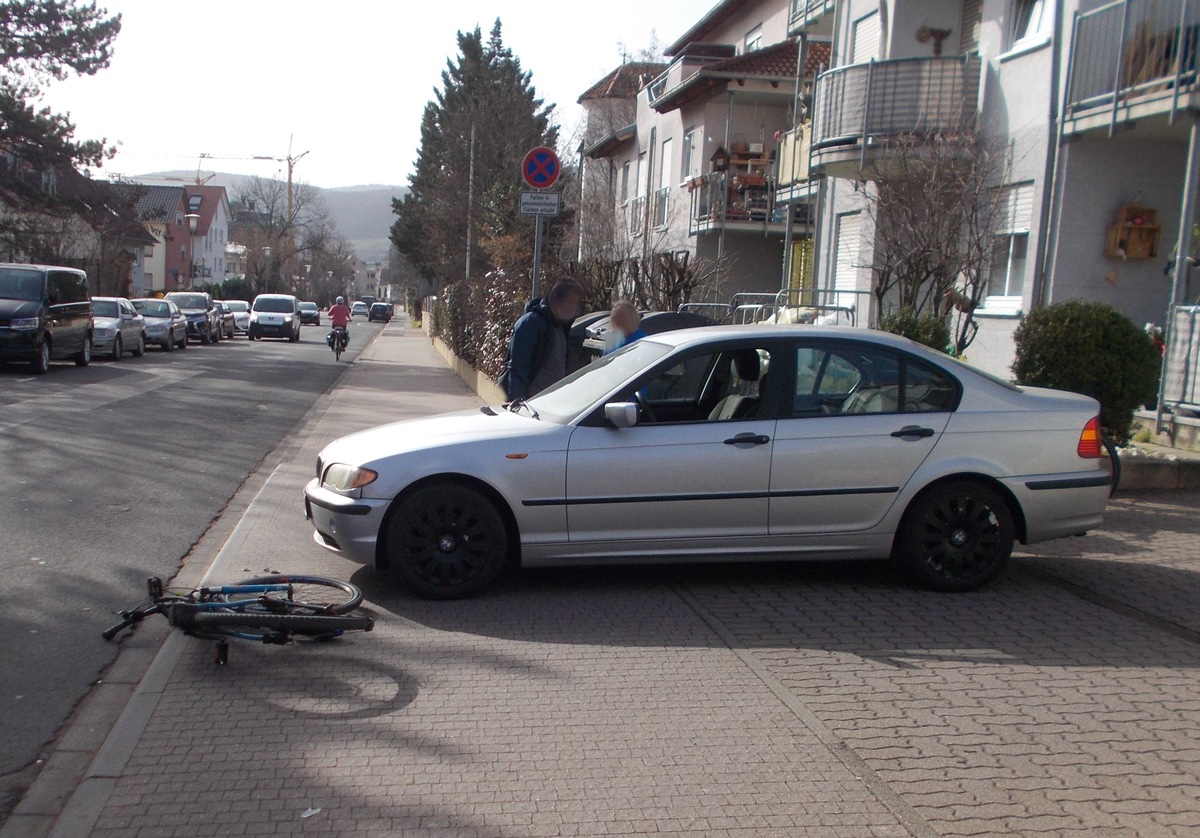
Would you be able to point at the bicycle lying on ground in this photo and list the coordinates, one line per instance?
(268, 609)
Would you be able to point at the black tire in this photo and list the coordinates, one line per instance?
(183, 343)
(956, 537)
(168, 345)
(84, 356)
(189, 617)
(118, 348)
(140, 349)
(447, 542)
(41, 362)
(1114, 463)
(315, 594)
(205, 339)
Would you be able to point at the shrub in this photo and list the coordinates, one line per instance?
(1089, 348)
(924, 328)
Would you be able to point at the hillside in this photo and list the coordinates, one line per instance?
(363, 214)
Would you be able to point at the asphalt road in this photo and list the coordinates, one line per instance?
(111, 474)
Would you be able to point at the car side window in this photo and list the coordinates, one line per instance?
(708, 387)
(928, 389)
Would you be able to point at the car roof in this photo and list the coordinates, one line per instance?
(276, 296)
(107, 299)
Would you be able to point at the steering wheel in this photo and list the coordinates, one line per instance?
(643, 406)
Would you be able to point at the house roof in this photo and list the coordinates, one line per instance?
(625, 82)
(717, 15)
(775, 63)
(210, 199)
(158, 204)
(107, 207)
(606, 145)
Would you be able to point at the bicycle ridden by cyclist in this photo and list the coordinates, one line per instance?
(339, 319)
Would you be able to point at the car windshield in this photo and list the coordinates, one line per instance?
(152, 308)
(237, 305)
(104, 308)
(274, 304)
(308, 306)
(583, 388)
(190, 300)
(19, 284)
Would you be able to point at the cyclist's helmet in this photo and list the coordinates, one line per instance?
(341, 301)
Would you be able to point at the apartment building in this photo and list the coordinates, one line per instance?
(682, 157)
(1094, 107)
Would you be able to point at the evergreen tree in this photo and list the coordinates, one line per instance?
(40, 41)
(483, 89)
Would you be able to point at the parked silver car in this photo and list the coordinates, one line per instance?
(165, 322)
(724, 444)
(241, 315)
(117, 327)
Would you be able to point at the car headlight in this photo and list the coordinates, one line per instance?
(24, 324)
(287, 318)
(104, 333)
(344, 477)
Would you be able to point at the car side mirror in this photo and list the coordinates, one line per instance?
(621, 414)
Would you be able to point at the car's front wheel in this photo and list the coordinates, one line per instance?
(118, 349)
(956, 537)
(140, 349)
(41, 361)
(447, 542)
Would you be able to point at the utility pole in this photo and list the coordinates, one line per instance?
(470, 199)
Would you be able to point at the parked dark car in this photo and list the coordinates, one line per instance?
(275, 316)
(310, 315)
(45, 313)
(381, 312)
(225, 319)
(165, 323)
(653, 323)
(202, 320)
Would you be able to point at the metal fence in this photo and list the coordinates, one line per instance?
(927, 96)
(1181, 379)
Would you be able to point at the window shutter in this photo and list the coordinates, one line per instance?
(1014, 209)
(972, 21)
(664, 170)
(643, 175)
(867, 33)
(845, 276)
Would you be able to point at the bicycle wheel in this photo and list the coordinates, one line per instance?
(189, 617)
(309, 594)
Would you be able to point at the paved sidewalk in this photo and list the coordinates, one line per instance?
(789, 700)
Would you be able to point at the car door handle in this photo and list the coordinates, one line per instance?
(913, 430)
(748, 439)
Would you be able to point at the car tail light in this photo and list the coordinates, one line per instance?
(1090, 447)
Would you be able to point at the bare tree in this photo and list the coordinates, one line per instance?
(933, 202)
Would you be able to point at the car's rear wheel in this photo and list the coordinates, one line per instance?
(956, 537)
(84, 356)
(447, 542)
(118, 349)
(41, 362)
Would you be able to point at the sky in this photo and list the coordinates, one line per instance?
(344, 81)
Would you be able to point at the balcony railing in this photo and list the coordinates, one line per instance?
(1133, 52)
(804, 12)
(860, 106)
(739, 201)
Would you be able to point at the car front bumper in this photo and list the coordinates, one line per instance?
(18, 344)
(272, 330)
(348, 526)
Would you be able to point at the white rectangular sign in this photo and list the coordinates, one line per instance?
(540, 203)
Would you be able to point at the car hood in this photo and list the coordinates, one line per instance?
(12, 309)
(193, 310)
(448, 429)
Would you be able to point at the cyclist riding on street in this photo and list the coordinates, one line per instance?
(339, 318)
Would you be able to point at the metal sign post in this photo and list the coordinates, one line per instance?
(540, 169)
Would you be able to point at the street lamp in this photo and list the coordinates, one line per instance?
(193, 221)
(266, 251)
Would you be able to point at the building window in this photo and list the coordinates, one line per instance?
(194, 203)
(866, 39)
(1010, 247)
(753, 39)
(625, 183)
(662, 198)
(688, 156)
(1030, 18)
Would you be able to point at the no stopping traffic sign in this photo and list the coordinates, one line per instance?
(540, 168)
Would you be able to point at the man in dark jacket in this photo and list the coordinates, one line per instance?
(537, 353)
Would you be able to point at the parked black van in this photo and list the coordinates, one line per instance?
(45, 313)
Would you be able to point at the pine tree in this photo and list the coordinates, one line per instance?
(41, 41)
(486, 89)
